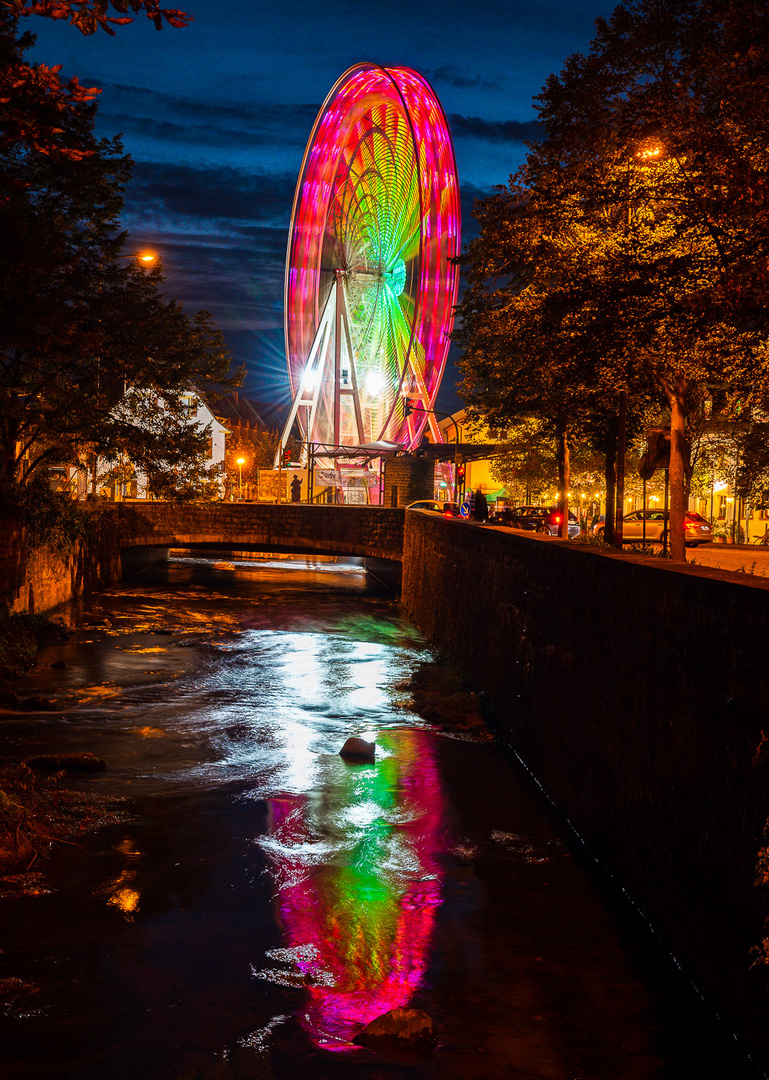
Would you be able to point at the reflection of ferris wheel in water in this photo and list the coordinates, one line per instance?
(370, 288)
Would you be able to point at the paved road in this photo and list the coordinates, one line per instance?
(744, 558)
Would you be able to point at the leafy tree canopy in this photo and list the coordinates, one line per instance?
(632, 248)
(93, 357)
(90, 15)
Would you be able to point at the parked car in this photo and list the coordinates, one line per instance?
(448, 509)
(697, 529)
(541, 519)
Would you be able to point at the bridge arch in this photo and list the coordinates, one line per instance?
(375, 533)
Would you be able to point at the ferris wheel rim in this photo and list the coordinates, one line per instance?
(439, 133)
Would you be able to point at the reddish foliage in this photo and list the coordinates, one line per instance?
(23, 89)
(89, 15)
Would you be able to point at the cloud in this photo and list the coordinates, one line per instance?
(275, 120)
(451, 74)
(211, 194)
(474, 127)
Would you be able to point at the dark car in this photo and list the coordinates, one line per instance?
(697, 529)
(541, 519)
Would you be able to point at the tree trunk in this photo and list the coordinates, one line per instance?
(678, 454)
(564, 479)
(610, 477)
(619, 512)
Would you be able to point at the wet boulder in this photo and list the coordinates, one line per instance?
(400, 1032)
(356, 749)
(37, 703)
(50, 763)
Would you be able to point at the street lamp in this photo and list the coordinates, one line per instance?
(146, 257)
(241, 463)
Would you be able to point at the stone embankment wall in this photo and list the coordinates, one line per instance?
(38, 581)
(637, 693)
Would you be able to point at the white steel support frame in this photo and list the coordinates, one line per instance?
(335, 315)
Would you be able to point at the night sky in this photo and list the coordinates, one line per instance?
(217, 116)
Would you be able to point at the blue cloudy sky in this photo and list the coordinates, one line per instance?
(217, 116)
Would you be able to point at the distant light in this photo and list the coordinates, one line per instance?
(241, 461)
(147, 258)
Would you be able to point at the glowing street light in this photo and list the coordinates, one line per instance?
(146, 257)
(241, 463)
(650, 153)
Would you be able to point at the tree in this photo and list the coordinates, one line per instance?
(525, 461)
(33, 97)
(93, 358)
(516, 320)
(89, 15)
(533, 321)
(647, 213)
(650, 121)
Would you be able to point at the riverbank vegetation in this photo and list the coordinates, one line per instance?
(21, 636)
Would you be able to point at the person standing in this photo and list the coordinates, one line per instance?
(296, 489)
(481, 507)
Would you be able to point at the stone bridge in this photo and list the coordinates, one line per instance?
(374, 533)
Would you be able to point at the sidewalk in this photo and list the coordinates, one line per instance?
(743, 558)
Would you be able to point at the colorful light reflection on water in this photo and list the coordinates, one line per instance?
(359, 885)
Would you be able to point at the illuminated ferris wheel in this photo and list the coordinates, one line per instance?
(370, 283)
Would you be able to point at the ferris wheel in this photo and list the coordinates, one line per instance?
(370, 284)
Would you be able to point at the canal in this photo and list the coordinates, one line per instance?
(251, 901)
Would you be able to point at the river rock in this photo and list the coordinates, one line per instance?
(37, 703)
(71, 762)
(9, 699)
(356, 749)
(400, 1031)
(59, 664)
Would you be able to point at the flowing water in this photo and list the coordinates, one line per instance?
(256, 901)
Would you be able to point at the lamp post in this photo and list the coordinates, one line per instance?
(241, 463)
(146, 257)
